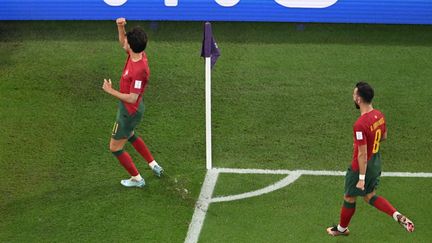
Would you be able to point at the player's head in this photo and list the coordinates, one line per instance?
(136, 39)
(363, 94)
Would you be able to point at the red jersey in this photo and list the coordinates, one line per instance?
(134, 79)
(368, 129)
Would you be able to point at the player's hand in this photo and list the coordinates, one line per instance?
(121, 21)
(107, 85)
(360, 185)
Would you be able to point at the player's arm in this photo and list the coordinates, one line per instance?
(362, 162)
(128, 98)
(121, 22)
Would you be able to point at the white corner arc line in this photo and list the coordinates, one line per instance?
(278, 185)
(201, 206)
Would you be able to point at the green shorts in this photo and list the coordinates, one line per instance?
(373, 173)
(125, 123)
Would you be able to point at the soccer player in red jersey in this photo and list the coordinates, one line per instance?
(362, 178)
(131, 106)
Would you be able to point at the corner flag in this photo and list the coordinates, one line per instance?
(210, 52)
(209, 46)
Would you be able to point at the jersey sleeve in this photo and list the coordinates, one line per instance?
(138, 82)
(359, 135)
(137, 86)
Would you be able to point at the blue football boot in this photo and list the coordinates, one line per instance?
(157, 170)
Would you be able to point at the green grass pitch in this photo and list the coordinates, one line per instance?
(281, 100)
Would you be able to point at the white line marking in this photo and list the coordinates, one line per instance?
(316, 172)
(201, 206)
(279, 172)
(407, 174)
(205, 197)
(252, 171)
(322, 172)
(282, 183)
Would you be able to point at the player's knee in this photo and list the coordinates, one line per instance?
(349, 199)
(114, 147)
(368, 197)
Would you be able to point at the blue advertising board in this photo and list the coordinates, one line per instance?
(328, 11)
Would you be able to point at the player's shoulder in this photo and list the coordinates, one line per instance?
(141, 71)
(144, 63)
(378, 112)
(360, 122)
(376, 115)
(365, 119)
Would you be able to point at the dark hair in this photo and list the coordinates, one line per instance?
(137, 39)
(365, 91)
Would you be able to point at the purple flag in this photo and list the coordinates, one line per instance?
(209, 46)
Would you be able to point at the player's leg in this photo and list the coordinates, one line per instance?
(138, 143)
(373, 175)
(347, 211)
(349, 204)
(123, 128)
(385, 206)
(116, 147)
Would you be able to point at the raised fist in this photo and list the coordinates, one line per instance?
(121, 21)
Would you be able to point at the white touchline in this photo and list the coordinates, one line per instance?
(201, 206)
(315, 172)
(407, 174)
(205, 197)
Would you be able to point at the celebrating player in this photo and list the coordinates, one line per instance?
(131, 106)
(363, 176)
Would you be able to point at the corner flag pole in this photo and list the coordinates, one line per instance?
(208, 112)
(210, 52)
